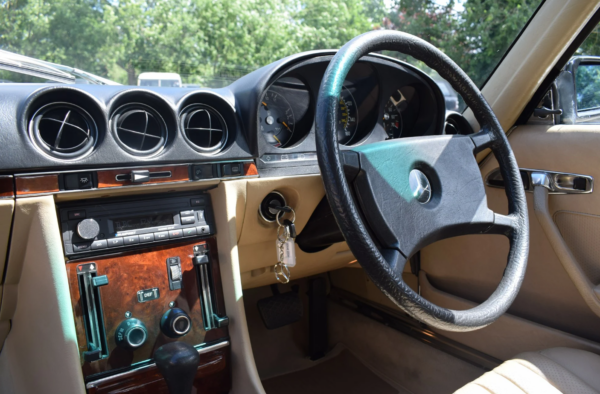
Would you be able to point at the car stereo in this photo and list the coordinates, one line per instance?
(103, 226)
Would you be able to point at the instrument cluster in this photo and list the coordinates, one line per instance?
(377, 102)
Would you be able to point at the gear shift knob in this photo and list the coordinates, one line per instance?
(178, 364)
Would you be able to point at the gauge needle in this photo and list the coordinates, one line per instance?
(274, 136)
(286, 126)
(265, 104)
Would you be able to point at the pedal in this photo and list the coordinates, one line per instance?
(280, 309)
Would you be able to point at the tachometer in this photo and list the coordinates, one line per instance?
(392, 114)
(347, 117)
(276, 119)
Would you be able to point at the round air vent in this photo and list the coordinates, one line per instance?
(63, 130)
(203, 128)
(139, 129)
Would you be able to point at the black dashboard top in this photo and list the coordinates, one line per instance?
(268, 116)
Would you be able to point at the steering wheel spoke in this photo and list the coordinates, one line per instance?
(482, 140)
(503, 224)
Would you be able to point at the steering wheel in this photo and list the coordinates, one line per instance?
(392, 198)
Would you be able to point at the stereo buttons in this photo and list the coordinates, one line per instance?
(99, 244)
(188, 220)
(115, 242)
(175, 234)
(188, 232)
(146, 237)
(162, 236)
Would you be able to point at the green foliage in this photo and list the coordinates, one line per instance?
(213, 42)
(475, 38)
(587, 84)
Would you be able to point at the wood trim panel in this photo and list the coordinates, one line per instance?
(140, 270)
(106, 178)
(36, 184)
(250, 169)
(7, 187)
(213, 377)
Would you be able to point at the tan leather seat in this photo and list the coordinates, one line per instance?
(550, 371)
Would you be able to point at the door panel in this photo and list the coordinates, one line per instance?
(470, 267)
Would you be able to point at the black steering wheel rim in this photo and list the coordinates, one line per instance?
(514, 226)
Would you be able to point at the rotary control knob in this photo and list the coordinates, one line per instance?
(131, 334)
(88, 229)
(175, 323)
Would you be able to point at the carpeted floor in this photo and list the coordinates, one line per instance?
(361, 349)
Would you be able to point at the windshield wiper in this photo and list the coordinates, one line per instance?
(51, 71)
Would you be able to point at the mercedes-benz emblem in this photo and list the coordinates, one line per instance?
(420, 186)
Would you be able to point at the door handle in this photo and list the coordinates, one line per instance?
(555, 182)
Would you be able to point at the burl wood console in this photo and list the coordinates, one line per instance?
(129, 303)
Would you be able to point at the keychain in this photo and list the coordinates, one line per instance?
(286, 252)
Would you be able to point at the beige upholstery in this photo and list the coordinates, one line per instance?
(557, 370)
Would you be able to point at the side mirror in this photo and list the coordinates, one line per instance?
(578, 90)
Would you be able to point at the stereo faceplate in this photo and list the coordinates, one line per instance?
(97, 228)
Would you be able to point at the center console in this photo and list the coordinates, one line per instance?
(143, 272)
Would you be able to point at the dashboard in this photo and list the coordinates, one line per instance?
(135, 214)
(266, 116)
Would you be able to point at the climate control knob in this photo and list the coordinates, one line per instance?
(175, 323)
(131, 334)
(88, 229)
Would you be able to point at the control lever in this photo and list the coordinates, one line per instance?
(178, 363)
(91, 305)
(211, 319)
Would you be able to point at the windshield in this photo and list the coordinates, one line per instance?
(212, 43)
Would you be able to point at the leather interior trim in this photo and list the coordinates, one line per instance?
(40, 352)
(577, 275)
(256, 237)
(470, 266)
(509, 335)
(581, 233)
(7, 208)
(229, 206)
(552, 371)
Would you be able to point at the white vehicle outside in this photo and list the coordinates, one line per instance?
(172, 80)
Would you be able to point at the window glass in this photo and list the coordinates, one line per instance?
(213, 43)
(587, 86)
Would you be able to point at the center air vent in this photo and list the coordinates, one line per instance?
(139, 129)
(63, 130)
(204, 128)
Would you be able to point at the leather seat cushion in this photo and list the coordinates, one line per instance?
(550, 371)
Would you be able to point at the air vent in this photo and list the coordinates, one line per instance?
(63, 130)
(204, 128)
(139, 129)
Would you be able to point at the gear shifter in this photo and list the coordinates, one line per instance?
(178, 364)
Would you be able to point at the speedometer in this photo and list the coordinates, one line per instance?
(347, 117)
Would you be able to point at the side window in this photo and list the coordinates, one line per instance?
(575, 95)
(587, 86)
